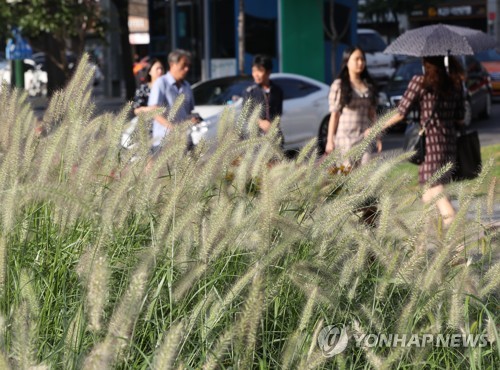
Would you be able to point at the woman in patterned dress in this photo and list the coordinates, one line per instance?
(140, 101)
(440, 97)
(352, 101)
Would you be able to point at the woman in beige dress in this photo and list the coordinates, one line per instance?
(352, 101)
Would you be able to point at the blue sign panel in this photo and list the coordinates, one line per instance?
(18, 48)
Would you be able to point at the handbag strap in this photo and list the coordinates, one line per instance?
(424, 126)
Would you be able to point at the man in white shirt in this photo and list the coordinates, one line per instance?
(165, 91)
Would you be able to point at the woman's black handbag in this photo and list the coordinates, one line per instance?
(468, 164)
(415, 141)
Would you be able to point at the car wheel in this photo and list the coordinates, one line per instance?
(468, 113)
(486, 113)
(322, 135)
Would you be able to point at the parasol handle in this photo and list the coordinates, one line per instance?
(447, 61)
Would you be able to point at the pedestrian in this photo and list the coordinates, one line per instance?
(164, 93)
(140, 101)
(439, 95)
(265, 93)
(353, 102)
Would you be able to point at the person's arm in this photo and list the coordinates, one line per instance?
(264, 125)
(332, 131)
(163, 121)
(143, 109)
(407, 102)
(335, 111)
(157, 99)
(373, 117)
(393, 120)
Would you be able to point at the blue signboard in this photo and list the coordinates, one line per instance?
(18, 48)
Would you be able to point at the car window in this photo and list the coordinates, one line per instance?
(473, 65)
(371, 42)
(219, 92)
(406, 71)
(294, 88)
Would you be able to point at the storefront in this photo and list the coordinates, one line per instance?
(473, 14)
(290, 31)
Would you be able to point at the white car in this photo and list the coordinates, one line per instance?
(305, 106)
(380, 66)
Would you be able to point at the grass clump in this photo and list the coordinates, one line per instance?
(234, 257)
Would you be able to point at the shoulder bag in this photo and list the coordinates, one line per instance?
(468, 165)
(415, 139)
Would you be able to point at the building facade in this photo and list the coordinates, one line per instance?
(292, 32)
(471, 13)
(477, 14)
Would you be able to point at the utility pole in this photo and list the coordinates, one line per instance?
(497, 21)
(206, 70)
(112, 68)
(493, 26)
(241, 37)
(173, 25)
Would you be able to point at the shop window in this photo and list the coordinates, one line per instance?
(260, 36)
(342, 19)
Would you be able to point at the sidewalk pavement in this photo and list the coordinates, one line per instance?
(103, 103)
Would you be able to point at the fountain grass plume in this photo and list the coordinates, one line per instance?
(355, 154)
(491, 196)
(432, 303)
(491, 280)
(297, 340)
(218, 309)
(247, 329)
(167, 353)
(220, 223)
(114, 127)
(73, 340)
(290, 351)
(226, 124)
(10, 101)
(94, 273)
(252, 123)
(3, 263)
(247, 111)
(50, 149)
(188, 280)
(172, 112)
(177, 229)
(24, 324)
(219, 351)
(457, 302)
(385, 206)
(123, 319)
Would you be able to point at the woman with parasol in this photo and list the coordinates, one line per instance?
(440, 97)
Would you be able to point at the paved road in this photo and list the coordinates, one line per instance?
(488, 129)
(103, 103)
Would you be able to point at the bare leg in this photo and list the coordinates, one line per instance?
(443, 203)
